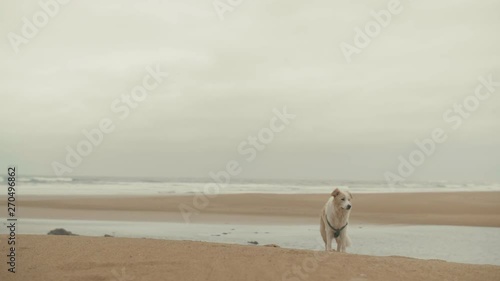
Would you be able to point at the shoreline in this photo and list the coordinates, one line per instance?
(463, 244)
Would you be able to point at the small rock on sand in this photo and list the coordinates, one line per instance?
(61, 231)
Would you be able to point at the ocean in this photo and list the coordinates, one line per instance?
(97, 186)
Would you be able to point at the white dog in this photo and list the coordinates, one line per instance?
(334, 220)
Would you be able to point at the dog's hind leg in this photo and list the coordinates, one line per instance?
(343, 248)
(343, 242)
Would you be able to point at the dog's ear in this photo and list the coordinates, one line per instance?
(350, 194)
(335, 192)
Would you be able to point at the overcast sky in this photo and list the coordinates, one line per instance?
(352, 121)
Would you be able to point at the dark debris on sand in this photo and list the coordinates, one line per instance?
(61, 231)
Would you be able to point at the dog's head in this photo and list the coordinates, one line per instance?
(342, 199)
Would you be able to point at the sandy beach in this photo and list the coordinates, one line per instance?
(88, 258)
(265, 217)
(451, 208)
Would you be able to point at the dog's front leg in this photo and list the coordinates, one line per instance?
(329, 238)
(339, 248)
(328, 244)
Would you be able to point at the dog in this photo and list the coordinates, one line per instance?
(334, 220)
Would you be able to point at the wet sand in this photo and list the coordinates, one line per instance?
(460, 208)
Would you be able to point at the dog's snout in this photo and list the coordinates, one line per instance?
(349, 207)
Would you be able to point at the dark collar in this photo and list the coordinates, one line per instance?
(336, 232)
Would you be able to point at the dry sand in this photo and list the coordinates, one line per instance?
(64, 258)
(461, 208)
